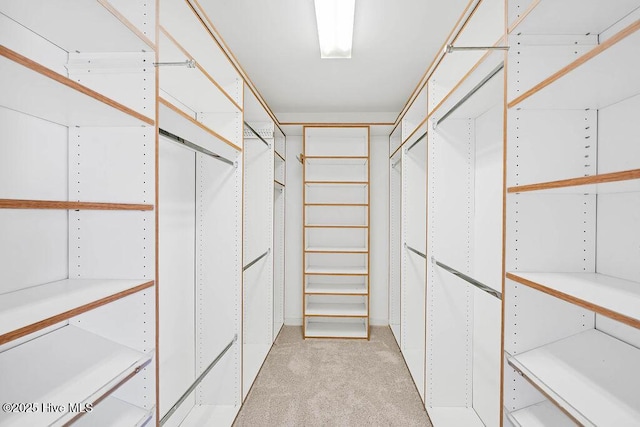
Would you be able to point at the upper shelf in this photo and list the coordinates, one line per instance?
(607, 295)
(28, 87)
(572, 16)
(28, 310)
(89, 26)
(601, 77)
(592, 376)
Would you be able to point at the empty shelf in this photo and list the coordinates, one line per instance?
(541, 414)
(319, 329)
(336, 309)
(30, 88)
(587, 82)
(210, 415)
(336, 288)
(336, 250)
(607, 295)
(346, 271)
(115, 412)
(454, 417)
(614, 182)
(85, 25)
(28, 310)
(69, 365)
(592, 376)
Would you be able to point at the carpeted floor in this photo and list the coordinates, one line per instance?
(333, 383)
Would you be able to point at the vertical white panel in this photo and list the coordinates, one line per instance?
(616, 125)
(395, 245)
(140, 13)
(278, 259)
(177, 273)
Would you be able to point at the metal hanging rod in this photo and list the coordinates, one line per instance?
(257, 134)
(451, 48)
(256, 260)
(396, 163)
(190, 63)
(196, 147)
(195, 384)
(471, 93)
(466, 278)
(415, 251)
(416, 143)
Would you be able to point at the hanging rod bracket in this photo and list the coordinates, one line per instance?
(189, 63)
(451, 48)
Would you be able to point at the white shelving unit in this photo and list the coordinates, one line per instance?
(279, 244)
(77, 280)
(200, 218)
(570, 230)
(336, 232)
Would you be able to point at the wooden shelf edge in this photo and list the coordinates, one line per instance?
(336, 226)
(349, 294)
(573, 182)
(46, 72)
(197, 123)
(337, 204)
(120, 17)
(338, 182)
(34, 327)
(577, 63)
(338, 157)
(334, 251)
(576, 301)
(68, 205)
(346, 316)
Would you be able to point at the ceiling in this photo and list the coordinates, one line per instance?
(276, 43)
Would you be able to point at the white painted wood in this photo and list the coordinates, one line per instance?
(335, 309)
(140, 14)
(395, 245)
(218, 415)
(336, 142)
(278, 257)
(540, 415)
(253, 356)
(86, 25)
(336, 170)
(113, 412)
(344, 328)
(33, 93)
(615, 125)
(591, 375)
(27, 306)
(611, 293)
(336, 288)
(395, 139)
(416, 113)
(336, 215)
(349, 239)
(62, 367)
(336, 193)
(177, 217)
(451, 416)
(336, 270)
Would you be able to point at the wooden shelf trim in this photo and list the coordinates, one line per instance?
(52, 204)
(336, 226)
(26, 330)
(577, 63)
(336, 251)
(338, 182)
(634, 322)
(338, 157)
(200, 67)
(354, 294)
(197, 123)
(46, 72)
(120, 17)
(351, 316)
(338, 204)
(585, 180)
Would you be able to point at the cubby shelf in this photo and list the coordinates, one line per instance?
(65, 366)
(454, 416)
(336, 309)
(591, 376)
(214, 415)
(336, 271)
(336, 289)
(540, 414)
(607, 295)
(587, 82)
(115, 412)
(319, 329)
(85, 25)
(36, 90)
(614, 182)
(31, 309)
(337, 250)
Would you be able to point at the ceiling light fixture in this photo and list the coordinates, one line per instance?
(335, 27)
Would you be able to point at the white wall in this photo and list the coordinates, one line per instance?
(379, 256)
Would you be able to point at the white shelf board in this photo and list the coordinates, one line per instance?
(360, 271)
(67, 365)
(541, 414)
(335, 309)
(591, 375)
(605, 79)
(112, 412)
(211, 415)
(454, 417)
(610, 293)
(336, 288)
(319, 329)
(336, 249)
(574, 16)
(28, 91)
(31, 305)
(335, 161)
(88, 26)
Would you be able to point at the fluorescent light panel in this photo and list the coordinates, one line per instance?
(335, 27)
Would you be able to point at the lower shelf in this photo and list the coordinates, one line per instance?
(66, 366)
(115, 412)
(316, 328)
(591, 375)
(210, 415)
(454, 417)
(539, 415)
(336, 309)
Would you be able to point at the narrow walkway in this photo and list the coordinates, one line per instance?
(320, 382)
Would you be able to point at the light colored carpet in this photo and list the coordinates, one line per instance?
(333, 383)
